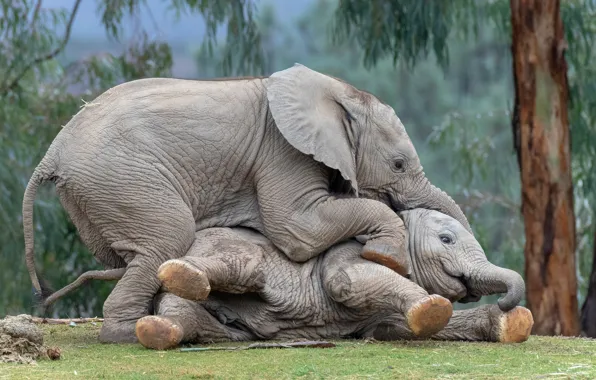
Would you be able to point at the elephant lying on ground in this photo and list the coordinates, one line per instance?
(255, 292)
(303, 158)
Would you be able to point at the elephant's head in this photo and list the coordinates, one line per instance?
(358, 135)
(447, 260)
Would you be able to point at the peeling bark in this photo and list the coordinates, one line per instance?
(541, 127)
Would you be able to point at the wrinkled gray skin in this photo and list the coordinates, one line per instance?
(148, 163)
(337, 294)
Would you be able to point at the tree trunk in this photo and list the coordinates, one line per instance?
(541, 130)
(589, 307)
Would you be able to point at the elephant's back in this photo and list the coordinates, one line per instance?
(191, 136)
(159, 119)
(165, 105)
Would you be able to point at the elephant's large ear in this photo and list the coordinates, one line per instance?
(311, 111)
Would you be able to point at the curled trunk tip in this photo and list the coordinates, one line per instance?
(516, 288)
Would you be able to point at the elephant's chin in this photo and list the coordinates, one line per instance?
(394, 202)
(453, 289)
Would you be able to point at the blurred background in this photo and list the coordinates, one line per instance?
(445, 68)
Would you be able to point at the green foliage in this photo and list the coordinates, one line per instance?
(409, 31)
(579, 19)
(398, 29)
(242, 49)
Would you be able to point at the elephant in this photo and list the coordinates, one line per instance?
(255, 292)
(303, 158)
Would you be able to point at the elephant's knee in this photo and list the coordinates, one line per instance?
(299, 251)
(339, 286)
(298, 242)
(300, 255)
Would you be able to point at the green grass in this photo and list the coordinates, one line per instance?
(84, 358)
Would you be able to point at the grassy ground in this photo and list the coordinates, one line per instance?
(84, 358)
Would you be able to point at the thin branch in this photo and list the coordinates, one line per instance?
(36, 13)
(305, 344)
(66, 321)
(48, 56)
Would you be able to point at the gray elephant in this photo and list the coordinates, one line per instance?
(305, 159)
(257, 293)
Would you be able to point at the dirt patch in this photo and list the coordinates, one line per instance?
(21, 341)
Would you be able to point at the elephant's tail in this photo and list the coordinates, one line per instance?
(41, 174)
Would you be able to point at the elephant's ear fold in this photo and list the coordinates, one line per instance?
(311, 111)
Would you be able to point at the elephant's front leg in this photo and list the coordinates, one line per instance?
(484, 323)
(489, 323)
(360, 284)
(177, 321)
(306, 227)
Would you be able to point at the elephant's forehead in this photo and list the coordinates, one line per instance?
(445, 221)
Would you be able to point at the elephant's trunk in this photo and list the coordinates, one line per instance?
(433, 198)
(487, 278)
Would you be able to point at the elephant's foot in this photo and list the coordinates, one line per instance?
(389, 256)
(514, 326)
(117, 332)
(429, 315)
(184, 280)
(159, 333)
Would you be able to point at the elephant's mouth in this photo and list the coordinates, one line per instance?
(469, 294)
(394, 201)
(453, 288)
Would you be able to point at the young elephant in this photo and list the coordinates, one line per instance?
(257, 293)
(305, 159)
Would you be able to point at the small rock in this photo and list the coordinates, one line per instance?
(54, 353)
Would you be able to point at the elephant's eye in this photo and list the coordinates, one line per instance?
(399, 165)
(446, 239)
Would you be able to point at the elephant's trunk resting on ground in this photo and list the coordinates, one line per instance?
(257, 293)
(305, 159)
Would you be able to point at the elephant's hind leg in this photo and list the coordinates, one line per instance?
(185, 278)
(182, 321)
(159, 333)
(89, 233)
(145, 230)
(133, 294)
(222, 264)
